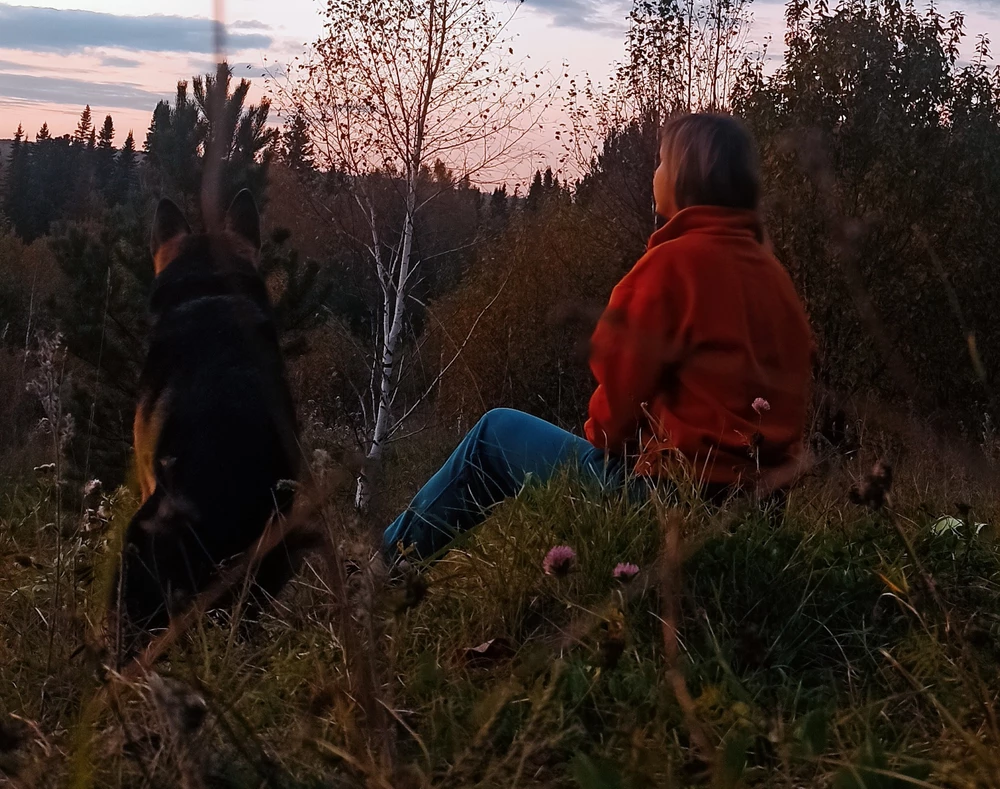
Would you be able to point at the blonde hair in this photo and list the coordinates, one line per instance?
(712, 160)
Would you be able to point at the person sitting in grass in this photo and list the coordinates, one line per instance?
(703, 355)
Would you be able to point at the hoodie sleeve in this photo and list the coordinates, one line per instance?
(635, 340)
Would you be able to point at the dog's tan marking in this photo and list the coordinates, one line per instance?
(146, 433)
(167, 253)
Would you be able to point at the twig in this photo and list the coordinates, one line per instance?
(430, 388)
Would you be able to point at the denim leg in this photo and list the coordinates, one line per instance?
(496, 458)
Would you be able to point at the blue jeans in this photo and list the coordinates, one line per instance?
(495, 460)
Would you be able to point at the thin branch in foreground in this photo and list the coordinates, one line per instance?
(437, 379)
(670, 587)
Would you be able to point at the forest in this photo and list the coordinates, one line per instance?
(845, 646)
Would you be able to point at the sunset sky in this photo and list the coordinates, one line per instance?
(122, 56)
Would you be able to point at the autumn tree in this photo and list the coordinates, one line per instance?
(874, 138)
(387, 90)
(680, 56)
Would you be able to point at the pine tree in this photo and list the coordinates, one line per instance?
(83, 199)
(124, 180)
(79, 199)
(16, 206)
(297, 149)
(85, 128)
(175, 143)
(442, 175)
(548, 181)
(104, 159)
(53, 178)
(172, 146)
(535, 192)
(106, 140)
(16, 147)
(156, 145)
(498, 204)
(102, 311)
(248, 143)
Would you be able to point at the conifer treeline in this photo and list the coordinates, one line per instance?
(55, 178)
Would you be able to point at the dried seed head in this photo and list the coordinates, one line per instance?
(882, 473)
(413, 587)
(873, 491)
(184, 708)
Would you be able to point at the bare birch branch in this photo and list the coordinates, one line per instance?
(450, 363)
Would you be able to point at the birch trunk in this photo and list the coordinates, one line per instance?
(393, 315)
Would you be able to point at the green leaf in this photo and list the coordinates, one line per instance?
(596, 773)
(920, 771)
(872, 757)
(731, 761)
(814, 732)
(856, 778)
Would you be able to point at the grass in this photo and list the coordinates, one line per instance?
(832, 647)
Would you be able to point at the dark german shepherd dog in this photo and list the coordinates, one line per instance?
(215, 430)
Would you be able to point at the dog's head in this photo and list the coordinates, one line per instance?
(236, 247)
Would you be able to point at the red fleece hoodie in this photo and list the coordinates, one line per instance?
(707, 322)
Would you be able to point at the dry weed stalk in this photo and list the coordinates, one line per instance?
(671, 520)
(47, 385)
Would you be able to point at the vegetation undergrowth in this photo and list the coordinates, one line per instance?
(828, 645)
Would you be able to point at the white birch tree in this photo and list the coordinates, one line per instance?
(680, 56)
(391, 87)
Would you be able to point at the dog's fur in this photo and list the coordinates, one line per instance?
(215, 430)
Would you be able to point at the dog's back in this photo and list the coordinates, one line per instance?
(215, 430)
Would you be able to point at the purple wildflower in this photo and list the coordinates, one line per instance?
(760, 405)
(559, 560)
(624, 572)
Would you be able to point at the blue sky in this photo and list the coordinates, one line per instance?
(122, 56)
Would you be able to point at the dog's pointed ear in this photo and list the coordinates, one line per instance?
(243, 219)
(168, 224)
